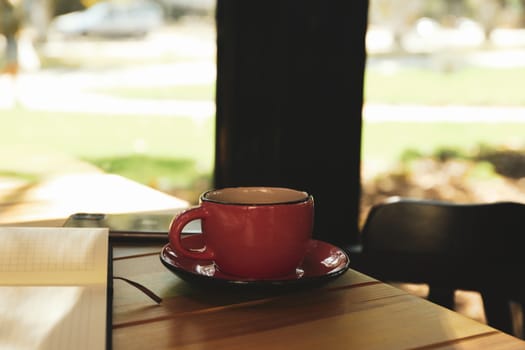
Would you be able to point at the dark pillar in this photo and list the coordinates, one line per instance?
(289, 101)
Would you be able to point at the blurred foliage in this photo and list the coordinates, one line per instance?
(65, 6)
(507, 162)
(489, 159)
(446, 153)
(486, 173)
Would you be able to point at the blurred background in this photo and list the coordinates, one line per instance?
(128, 87)
(443, 114)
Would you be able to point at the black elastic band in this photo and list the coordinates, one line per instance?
(142, 288)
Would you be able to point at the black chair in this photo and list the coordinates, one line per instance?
(448, 246)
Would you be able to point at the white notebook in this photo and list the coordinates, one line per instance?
(54, 288)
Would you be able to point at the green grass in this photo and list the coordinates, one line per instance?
(89, 136)
(172, 154)
(388, 141)
(466, 86)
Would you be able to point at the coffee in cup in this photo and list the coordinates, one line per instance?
(250, 232)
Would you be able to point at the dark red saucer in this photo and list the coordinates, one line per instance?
(323, 262)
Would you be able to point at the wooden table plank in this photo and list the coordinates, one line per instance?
(369, 316)
(494, 341)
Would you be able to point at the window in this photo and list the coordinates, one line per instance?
(118, 87)
(443, 114)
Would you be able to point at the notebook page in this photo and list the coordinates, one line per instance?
(53, 256)
(53, 318)
(53, 288)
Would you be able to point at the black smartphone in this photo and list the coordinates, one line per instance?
(132, 226)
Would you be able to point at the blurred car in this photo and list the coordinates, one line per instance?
(111, 19)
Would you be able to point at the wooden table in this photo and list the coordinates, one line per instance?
(353, 311)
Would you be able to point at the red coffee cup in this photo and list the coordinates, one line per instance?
(251, 232)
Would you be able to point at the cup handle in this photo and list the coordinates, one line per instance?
(176, 227)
